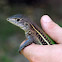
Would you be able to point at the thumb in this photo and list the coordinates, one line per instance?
(51, 28)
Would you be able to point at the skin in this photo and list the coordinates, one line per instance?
(46, 53)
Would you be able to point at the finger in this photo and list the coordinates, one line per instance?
(51, 28)
(34, 53)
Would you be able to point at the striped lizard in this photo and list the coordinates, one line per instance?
(33, 33)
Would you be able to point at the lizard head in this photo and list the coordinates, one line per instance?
(20, 21)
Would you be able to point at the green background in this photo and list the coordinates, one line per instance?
(10, 35)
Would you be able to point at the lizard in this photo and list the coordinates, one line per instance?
(33, 33)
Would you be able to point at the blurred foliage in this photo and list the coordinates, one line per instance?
(10, 35)
(5, 59)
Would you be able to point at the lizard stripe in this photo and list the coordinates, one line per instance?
(40, 34)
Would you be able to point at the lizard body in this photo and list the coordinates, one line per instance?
(33, 33)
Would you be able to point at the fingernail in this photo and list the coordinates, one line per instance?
(46, 18)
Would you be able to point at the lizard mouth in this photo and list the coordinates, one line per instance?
(19, 24)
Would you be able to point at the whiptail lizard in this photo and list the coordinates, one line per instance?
(33, 33)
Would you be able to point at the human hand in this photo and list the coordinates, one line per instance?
(46, 53)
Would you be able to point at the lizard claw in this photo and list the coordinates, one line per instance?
(20, 49)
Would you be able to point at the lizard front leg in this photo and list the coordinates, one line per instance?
(26, 43)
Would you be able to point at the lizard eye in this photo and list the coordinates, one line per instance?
(18, 20)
